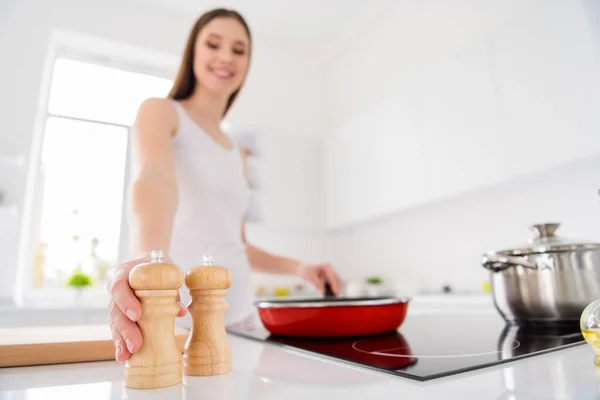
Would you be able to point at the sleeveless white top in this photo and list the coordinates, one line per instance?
(213, 199)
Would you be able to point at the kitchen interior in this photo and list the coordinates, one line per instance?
(415, 146)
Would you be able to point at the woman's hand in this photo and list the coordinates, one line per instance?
(125, 309)
(319, 274)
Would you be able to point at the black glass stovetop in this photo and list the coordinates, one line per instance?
(430, 346)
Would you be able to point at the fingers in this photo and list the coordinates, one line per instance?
(123, 302)
(182, 308)
(127, 333)
(121, 352)
(122, 294)
(332, 278)
(319, 274)
(313, 277)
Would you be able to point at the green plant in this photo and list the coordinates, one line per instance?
(374, 280)
(79, 280)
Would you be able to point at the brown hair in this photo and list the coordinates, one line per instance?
(185, 82)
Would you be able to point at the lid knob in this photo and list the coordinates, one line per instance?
(545, 230)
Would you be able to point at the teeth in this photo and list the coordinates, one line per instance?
(222, 74)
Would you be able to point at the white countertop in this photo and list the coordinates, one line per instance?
(269, 372)
(95, 311)
(264, 371)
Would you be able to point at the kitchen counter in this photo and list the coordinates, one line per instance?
(48, 313)
(265, 371)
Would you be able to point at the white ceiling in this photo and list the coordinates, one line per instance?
(322, 25)
(328, 26)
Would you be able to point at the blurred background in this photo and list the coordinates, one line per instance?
(398, 140)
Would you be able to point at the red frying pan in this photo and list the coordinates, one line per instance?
(332, 316)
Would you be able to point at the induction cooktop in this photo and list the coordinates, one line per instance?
(431, 346)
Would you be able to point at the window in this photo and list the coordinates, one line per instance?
(80, 184)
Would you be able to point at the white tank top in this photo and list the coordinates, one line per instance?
(213, 199)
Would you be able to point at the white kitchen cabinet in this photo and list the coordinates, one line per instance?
(398, 157)
(373, 164)
(521, 99)
(460, 123)
(289, 196)
(335, 183)
(549, 89)
(345, 167)
(440, 137)
(349, 172)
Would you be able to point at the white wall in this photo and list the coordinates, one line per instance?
(441, 243)
(427, 243)
(431, 229)
(281, 92)
(412, 38)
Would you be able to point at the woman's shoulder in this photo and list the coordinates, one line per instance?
(158, 110)
(164, 107)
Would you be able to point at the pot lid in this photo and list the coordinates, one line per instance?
(546, 240)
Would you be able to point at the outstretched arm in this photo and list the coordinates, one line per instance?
(153, 200)
(154, 188)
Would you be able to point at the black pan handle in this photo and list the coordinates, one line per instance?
(328, 290)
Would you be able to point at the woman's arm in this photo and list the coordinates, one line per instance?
(153, 199)
(265, 262)
(153, 192)
(260, 260)
(316, 274)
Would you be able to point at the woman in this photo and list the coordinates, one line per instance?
(189, 195)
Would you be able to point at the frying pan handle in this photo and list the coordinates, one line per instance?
(328, 291)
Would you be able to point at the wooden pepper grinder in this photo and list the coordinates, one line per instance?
(207, 350)
(158, 362)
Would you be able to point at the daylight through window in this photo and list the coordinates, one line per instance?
(81, 181)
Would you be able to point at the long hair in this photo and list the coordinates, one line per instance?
(186, 82)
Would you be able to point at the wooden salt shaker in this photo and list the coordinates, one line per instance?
(158, 362)
(207, 351)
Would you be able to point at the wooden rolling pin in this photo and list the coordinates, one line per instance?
(62, 344)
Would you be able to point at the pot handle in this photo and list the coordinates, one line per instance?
(497, 263)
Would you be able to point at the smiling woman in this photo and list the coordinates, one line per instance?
(203, 50)
(189, 194)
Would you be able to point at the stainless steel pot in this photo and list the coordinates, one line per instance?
(548, 280)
